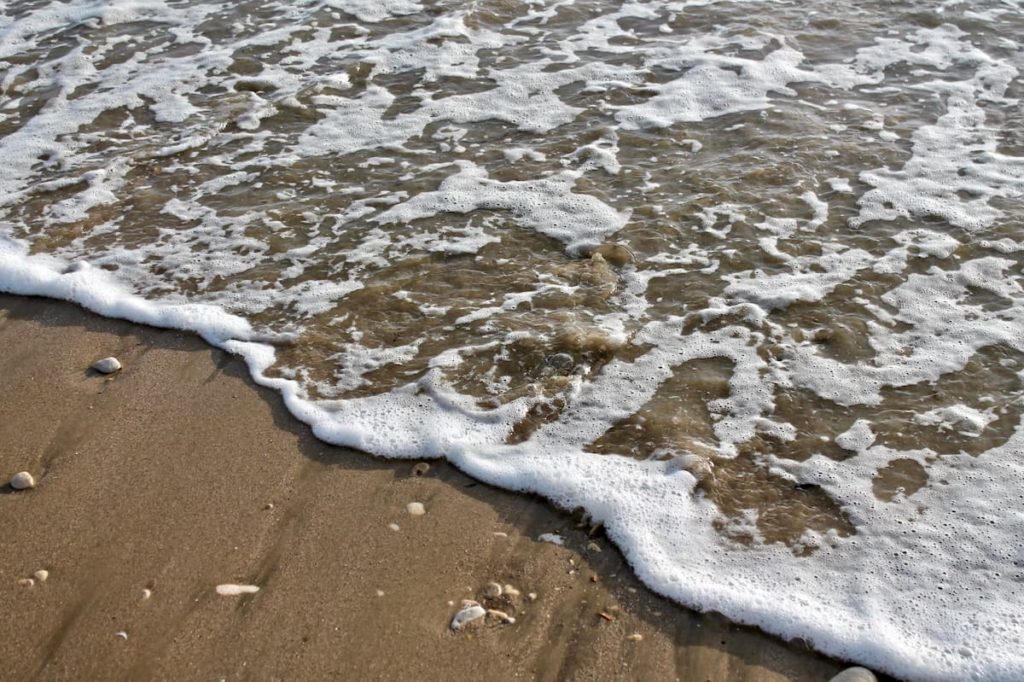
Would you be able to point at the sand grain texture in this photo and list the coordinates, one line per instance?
(178, 474)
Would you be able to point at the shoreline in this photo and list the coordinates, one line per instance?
(179, 473)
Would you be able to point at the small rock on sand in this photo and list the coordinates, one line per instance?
(553, 538)
(855, 674)
(420, 469)
(416, 508)
(635, 637)
(501, 616)
(23, 480)
(492, 590)
(511, 591)
(41, 575)
(121, 635)
(469, 612)
(394, 526)
(231, 590)
(26, 582)
(146, 594)
(107, 365)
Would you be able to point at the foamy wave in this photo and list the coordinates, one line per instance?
(722, 284)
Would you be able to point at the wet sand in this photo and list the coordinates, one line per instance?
(178, 474)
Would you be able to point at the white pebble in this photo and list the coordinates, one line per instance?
(146, 594)
(26, 582)
(492, 590)
(231, 590)
(121, 635)
(855, 674)
(394, 527)
(416, 508)
(635, 637)
(107, 365)
(41, 575)
(511, 591)
(553, 538)
(380, 593)
(532, 596)
(469, 612)
(23, 481)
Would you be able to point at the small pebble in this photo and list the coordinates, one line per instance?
(635, 637)
(107, 365)
(415, 508)
(511, 591)
(469, 612)
(501, 615)
(380, 593)
(394, 527)
(532, 596)
(420, 469)
(553, 538)
(23, 481)
(499, 534)
(146, 594)
(26, 582)
(855, 674)
(41, 575)
(593, 547)
(268, 506)
(492, 590)
(121, 635)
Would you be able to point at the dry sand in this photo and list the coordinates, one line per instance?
(178, 474)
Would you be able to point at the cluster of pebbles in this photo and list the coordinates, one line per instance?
(496, 605)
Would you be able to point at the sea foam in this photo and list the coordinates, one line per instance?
(525, 239)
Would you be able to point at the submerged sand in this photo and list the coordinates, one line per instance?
(178, 474)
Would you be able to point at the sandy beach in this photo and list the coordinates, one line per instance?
(177, 474)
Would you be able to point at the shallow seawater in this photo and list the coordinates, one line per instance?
(743, 279)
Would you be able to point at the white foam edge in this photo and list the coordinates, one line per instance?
(632, 498)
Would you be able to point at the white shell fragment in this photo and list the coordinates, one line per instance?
(416, 508)
(231, 590)
(107, 365)
(41, 575)
(469, 612)
(553, 538)
(23, 480)
(501, 616)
